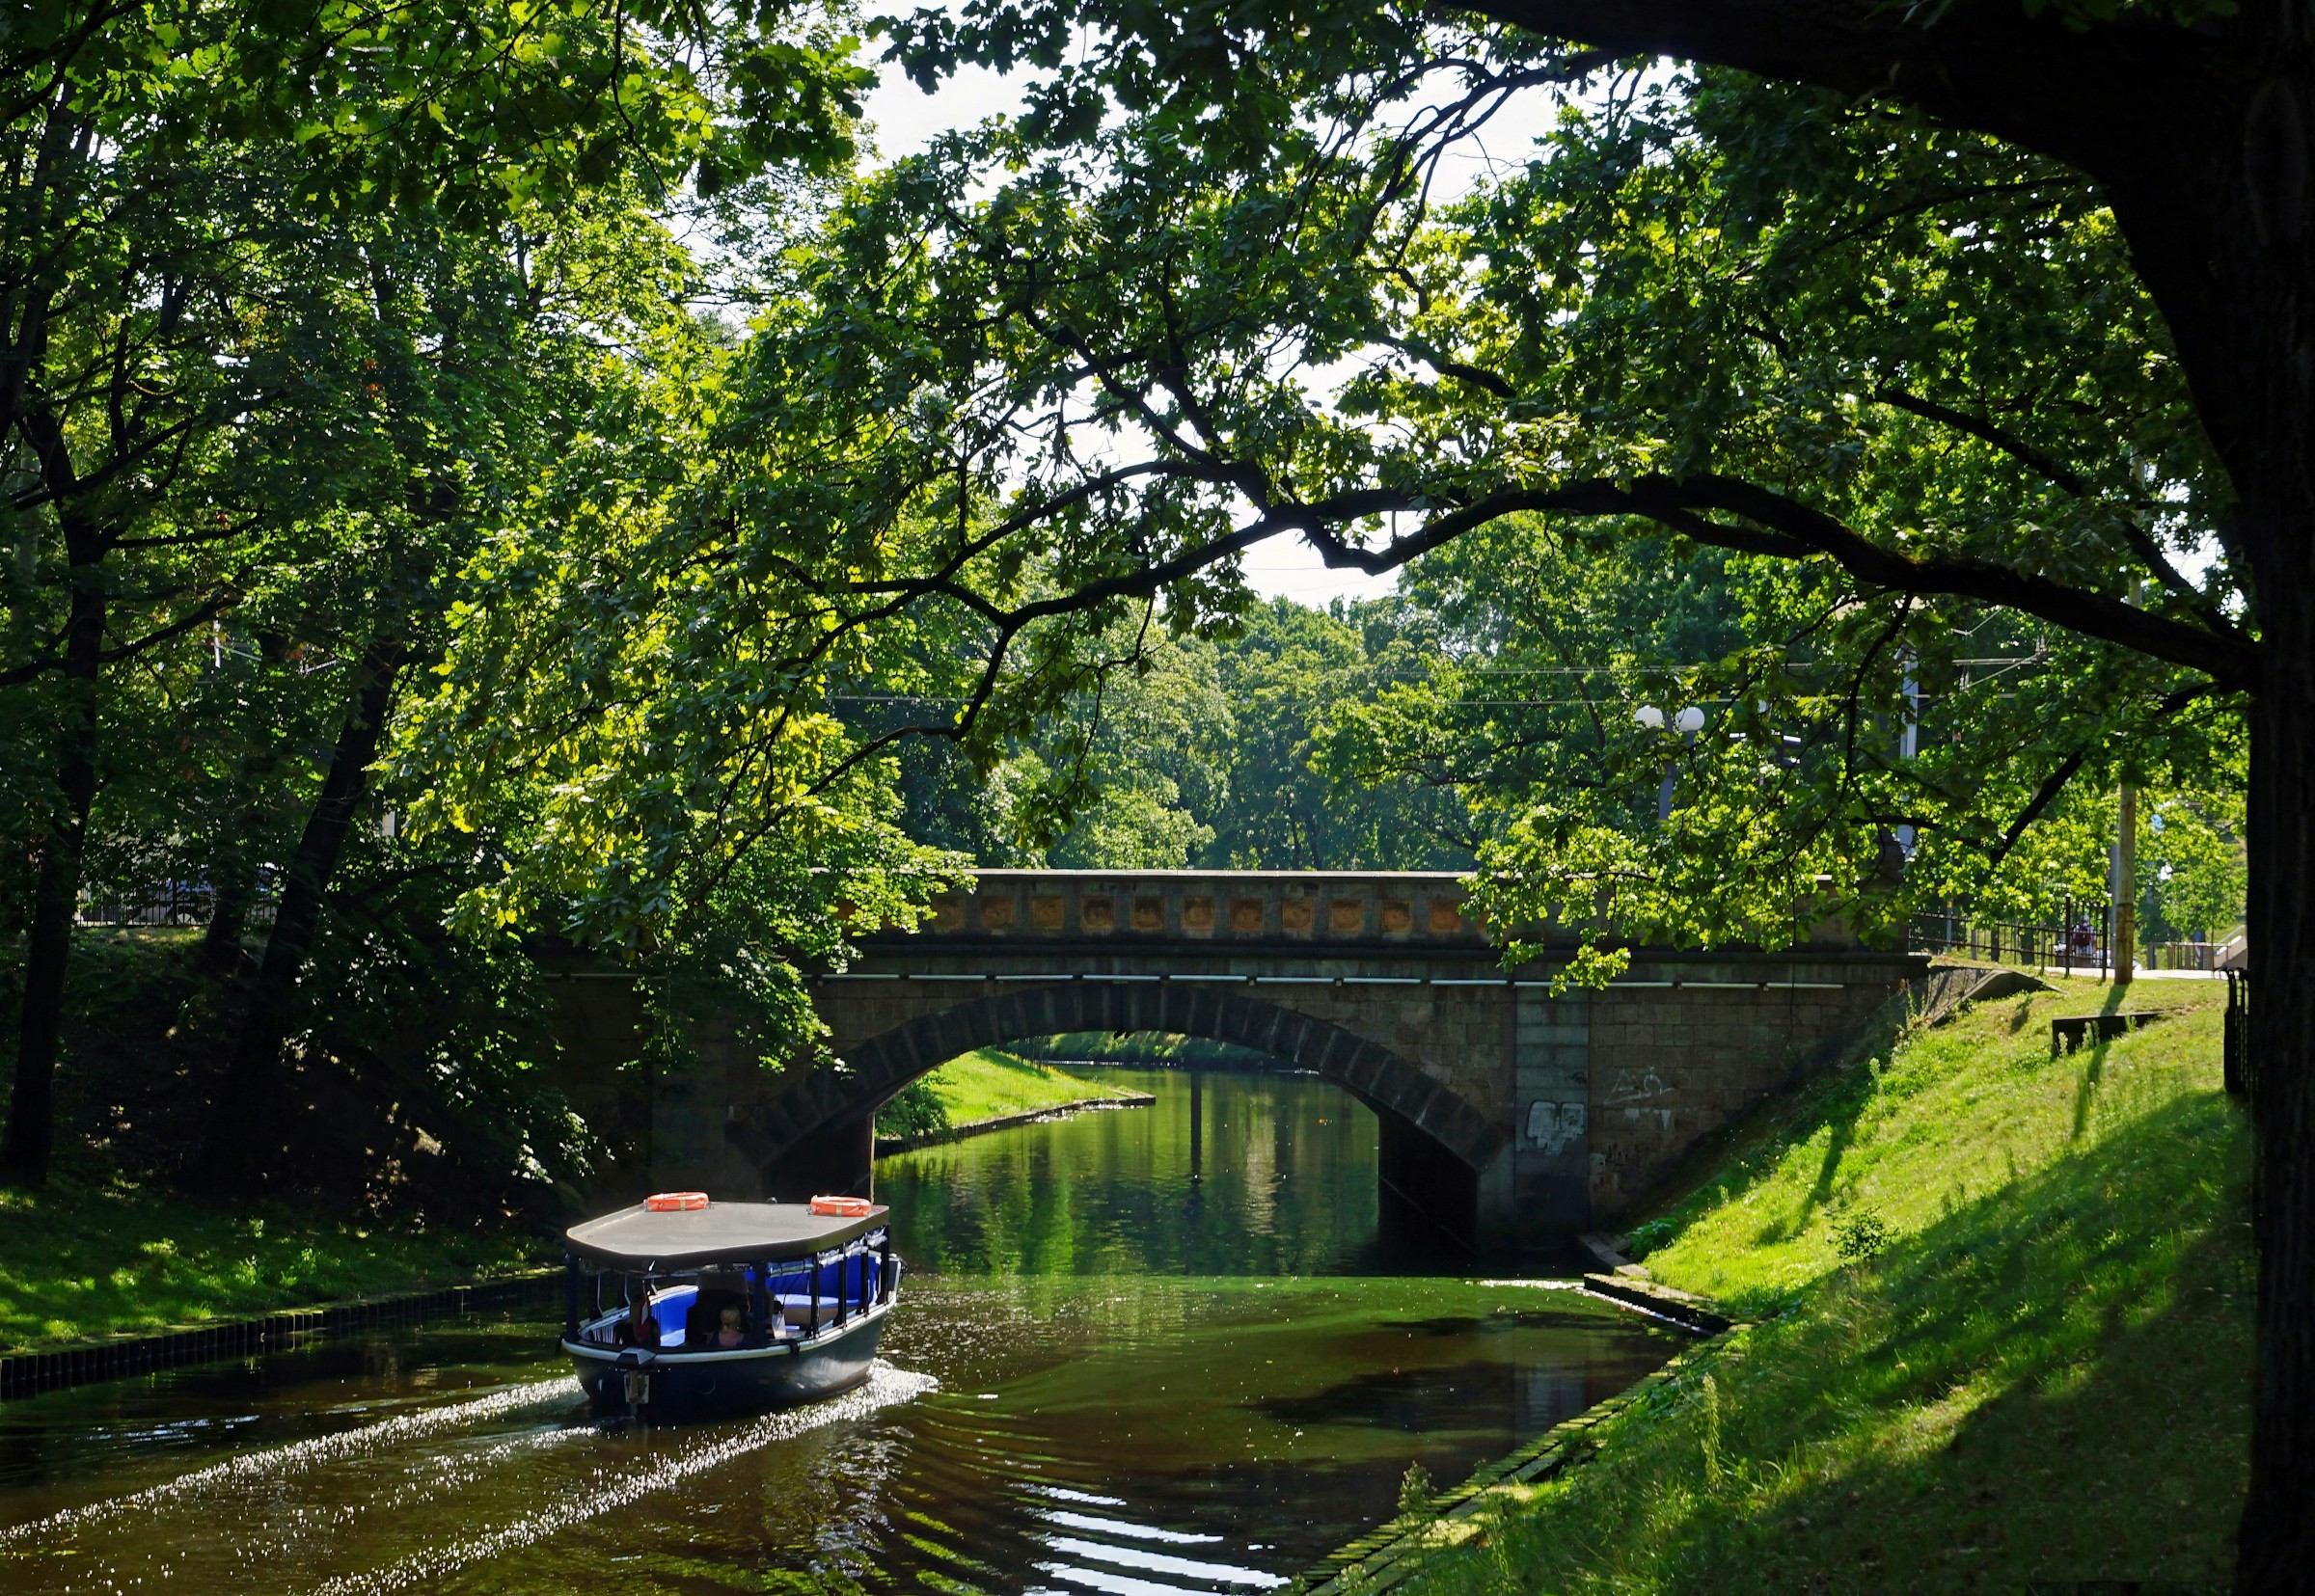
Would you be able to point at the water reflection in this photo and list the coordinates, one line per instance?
(1102, 1385)
(1285, 1185)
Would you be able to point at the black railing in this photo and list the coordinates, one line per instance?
(161, 904)
(2078, 944)
(2235, 1047)
(2006, 941)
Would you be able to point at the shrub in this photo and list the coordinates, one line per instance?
(1415, 1492)
(1864, 1235)
(917, 1110)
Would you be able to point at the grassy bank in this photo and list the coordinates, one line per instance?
(2003, 1333)
(984, 1084)
(81, 1261)
(109, 1250)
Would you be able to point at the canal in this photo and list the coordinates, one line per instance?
(1107, 1374)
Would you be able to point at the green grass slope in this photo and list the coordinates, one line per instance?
(2002, 1333)
(984, 1084)
(84, 1260)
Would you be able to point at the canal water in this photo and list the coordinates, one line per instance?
(1107, 1374)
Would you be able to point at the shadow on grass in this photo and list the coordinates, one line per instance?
(2049, 1384)
(2086, 1091)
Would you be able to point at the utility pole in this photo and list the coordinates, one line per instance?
(1909, 742)
(2126, 866)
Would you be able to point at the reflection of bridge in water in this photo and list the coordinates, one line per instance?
(1501, 1107)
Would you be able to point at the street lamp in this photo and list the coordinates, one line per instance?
(1687, 722)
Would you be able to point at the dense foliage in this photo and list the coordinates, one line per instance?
(403, 554)
(300, 303)
(1835, 354)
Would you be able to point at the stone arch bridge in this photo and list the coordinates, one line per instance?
(1502, 1108)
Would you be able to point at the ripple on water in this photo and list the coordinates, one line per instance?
(269, 1465)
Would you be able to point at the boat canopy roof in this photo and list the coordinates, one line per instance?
(649, 1241)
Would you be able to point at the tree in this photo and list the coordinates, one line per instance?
(482, 359)
(1299, 678)
(635, 727)
(183, 180)
(2190, 862)
(1971, 330)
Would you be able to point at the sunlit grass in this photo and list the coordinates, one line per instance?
(82, 1261)
(987, 1084)
(2033, 1365)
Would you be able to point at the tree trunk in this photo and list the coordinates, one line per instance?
(2277, 1541)
(250, 1075)
(235, 889)
(234, 882)
(56, 893)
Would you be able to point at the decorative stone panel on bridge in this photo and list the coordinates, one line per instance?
(1401, 909)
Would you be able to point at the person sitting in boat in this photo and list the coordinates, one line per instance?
(733, 1333)
(703, 1321)
(639, 1328)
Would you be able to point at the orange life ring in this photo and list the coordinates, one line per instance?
(675, 1201)
(841, 1207)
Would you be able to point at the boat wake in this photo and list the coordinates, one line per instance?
(612, 1487)
(270, 1464)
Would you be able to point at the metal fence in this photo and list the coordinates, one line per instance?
(161, 904)
(2006, 941)
(2192, 955)
(2083, 947)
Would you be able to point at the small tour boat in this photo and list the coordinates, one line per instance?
(681, 1305)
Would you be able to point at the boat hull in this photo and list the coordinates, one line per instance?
(708, 1384)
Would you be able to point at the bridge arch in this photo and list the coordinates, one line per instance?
(1434, 1143)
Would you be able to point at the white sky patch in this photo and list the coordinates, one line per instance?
(905, 118)
(1288, 568)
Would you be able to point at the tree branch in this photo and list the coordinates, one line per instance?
(2072, 482)
(2068, 768)
(2229, 660)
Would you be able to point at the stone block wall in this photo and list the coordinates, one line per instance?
(1670, 1065)
(1551, 1103)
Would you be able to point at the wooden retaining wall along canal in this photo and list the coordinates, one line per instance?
(25, 1374)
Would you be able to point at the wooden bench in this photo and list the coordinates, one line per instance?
(2070, 1033)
